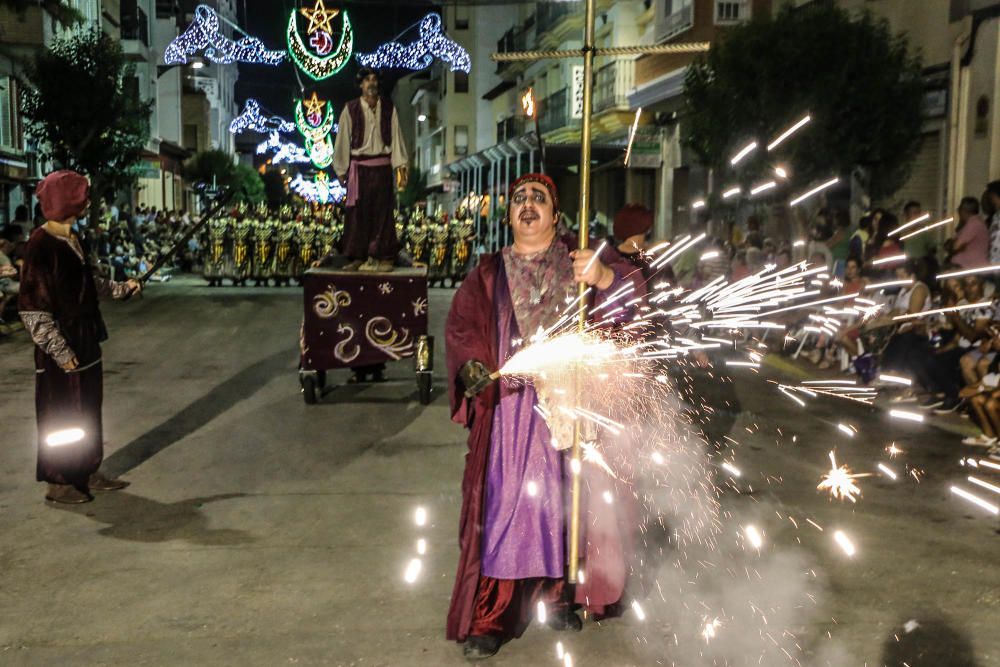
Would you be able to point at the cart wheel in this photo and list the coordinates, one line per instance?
(424, 381)
(309, 389)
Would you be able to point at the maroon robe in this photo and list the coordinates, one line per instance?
(471, 334)
(58, 303)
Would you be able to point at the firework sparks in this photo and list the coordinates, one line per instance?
(895, 379)
(916, 221)
(844, 542)
(412, 571)
(889, 472)
(637, 608)
(541, 613)
(975, 500)
(984, 484)
(754, 536)
(927, 228)
(819, 188)
(743, 152)
(968, 272)
(938, 311)
(710, 630)
(420, 516)
(906, 415)
(789, 132)
(839, 481)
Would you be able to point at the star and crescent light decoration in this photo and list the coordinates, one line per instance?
(314, 120)
(203, 36)
(328, 58)
(284, 151)
(252, 120)
(421, 53)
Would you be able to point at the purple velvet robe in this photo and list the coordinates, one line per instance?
(472, 332)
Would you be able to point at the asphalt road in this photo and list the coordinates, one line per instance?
(261, 531)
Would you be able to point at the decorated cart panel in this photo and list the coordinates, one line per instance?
(356, 319)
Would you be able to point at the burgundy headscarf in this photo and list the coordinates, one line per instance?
(63, 194)
(632, 220)
(536, 178)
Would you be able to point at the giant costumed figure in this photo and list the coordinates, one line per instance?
(368, 149)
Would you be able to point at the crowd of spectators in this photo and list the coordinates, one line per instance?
(898, 265)
(123, 243)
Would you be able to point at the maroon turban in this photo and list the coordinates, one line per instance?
(537, 178)
(632, 220)
(63, 194)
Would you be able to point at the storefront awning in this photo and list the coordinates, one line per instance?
(660, 89)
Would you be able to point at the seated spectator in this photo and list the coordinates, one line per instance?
(9, 271)
(971, 245)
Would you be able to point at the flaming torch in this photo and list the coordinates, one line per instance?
(531, 111)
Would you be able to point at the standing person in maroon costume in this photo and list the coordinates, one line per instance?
(58, 305)
(368, 148)
(512, 533)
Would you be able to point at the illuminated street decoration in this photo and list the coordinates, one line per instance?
(320, 190)
(283, 151)
(421, 53)
(251, 120)
(327, 59)
(203, 34)
(314, 120)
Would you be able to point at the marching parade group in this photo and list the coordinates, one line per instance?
(257, 245)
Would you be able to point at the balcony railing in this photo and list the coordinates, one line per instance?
(554, 111)
(675, 23)
(550, 13)
(614, 81)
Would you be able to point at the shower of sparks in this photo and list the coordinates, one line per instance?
(631, 135)
(597, 253)
(989, 464)
(781, 172)
(815, 191)
(763, 187)
(731, 469)
(560, 651)
(839, 481)
(975, 500)
(709, 631)
(986, 485)
(893, 451)
(420, 516)
(731, 192)
(787, 133)
(889, 472)
(421, 546)
(968, 272)
(637, 608)
(700, 203)
(567, 660)
(743, 152)
(916, 221)
(938, 311)
(532, 489)
(895, 379)
(906, 415)
(927, 228)
(844, 542)
(850, 431)
(889, 260)
(541, 613)
(754, 536)
(412, 571)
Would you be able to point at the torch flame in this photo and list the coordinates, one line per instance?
(528, 103)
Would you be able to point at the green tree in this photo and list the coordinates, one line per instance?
(274, 188)
(78, 105)
(860, 83)
(63, 13)
(216, 169)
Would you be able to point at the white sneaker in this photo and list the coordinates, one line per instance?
(981, 440)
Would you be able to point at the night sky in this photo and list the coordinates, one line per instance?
(374, 22)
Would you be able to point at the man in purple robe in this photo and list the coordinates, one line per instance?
(513, 521)
(368, 148)
(58, 305)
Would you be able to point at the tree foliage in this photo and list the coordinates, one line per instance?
(63, 13)
(861, 84)
(216, 169)
(78, 106)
